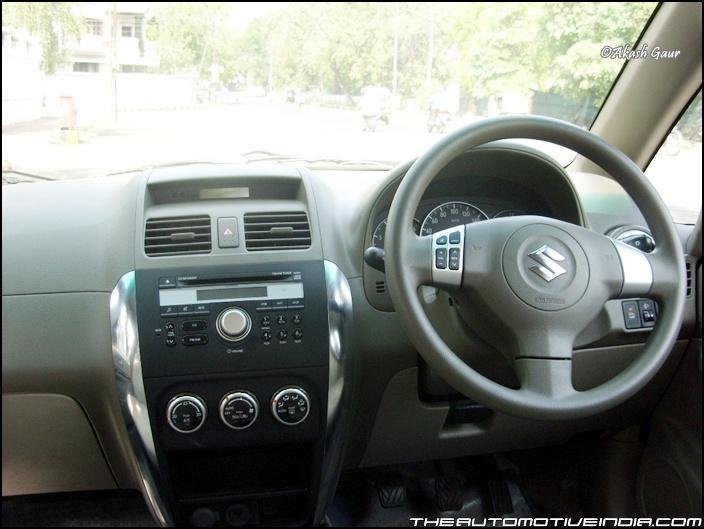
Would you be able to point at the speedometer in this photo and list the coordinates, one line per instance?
(451, 214)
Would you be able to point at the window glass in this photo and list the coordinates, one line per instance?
(676, 170)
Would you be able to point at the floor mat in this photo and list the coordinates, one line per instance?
(359, 503)
(91, 509)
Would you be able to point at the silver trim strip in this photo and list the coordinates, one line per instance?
(339, 305)
(130, 392)
(637, 271)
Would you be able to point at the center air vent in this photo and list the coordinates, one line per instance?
(177, 236)
(276, 231)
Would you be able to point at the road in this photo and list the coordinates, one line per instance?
(221, 133)
(215, 133)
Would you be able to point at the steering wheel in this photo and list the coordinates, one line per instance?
(533, 282)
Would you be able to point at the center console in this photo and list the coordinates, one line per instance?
(230, 365)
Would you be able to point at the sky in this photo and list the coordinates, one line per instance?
(244, 12)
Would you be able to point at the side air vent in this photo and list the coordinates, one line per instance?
(688, 272)
(380, 287)
(177, 236)
(276, 231)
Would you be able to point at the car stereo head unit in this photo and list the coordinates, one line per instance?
(197, 323)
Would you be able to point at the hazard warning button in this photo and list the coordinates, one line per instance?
(228, 237)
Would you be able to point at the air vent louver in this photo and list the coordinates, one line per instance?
(177, 236)
(380, 287)
(276, 231)
(688, 272)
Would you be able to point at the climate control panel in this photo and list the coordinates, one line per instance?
(239, 409)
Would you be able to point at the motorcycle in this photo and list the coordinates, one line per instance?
(438, 120)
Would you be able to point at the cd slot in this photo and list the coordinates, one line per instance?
(233, 280)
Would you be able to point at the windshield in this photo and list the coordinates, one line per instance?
(95, 88)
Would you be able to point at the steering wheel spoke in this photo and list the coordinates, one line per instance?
(547, 377)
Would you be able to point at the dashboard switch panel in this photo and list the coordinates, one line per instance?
(639, 313)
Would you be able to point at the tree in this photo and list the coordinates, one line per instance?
(188, 35)
(53, 23)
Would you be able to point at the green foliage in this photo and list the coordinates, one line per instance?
(190, 36)
(53, 23)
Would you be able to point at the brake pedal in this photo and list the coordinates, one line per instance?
(448, 493)
(391, 490)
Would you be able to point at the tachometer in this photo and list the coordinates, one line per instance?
(380, 232)
(451, 214)
(509, 213)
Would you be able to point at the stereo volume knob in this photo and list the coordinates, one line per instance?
(234, 324)
(186, 413)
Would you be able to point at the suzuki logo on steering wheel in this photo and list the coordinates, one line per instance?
(548, 267)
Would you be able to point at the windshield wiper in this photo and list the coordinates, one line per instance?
(266, 156)
(12, 176)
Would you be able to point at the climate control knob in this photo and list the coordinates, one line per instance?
(290, 406)
(186, 413)
(234, 324)
(239, 410)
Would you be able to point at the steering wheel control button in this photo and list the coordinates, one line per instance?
(447, 263)
(290, 406)
(234, 324)
(454, 263)
(441, 258)
(228, 236)
(545, 267)
(194, 339)
(194, 325)
(631, 315)
(296, 319)
(186, 413)
(239, 410)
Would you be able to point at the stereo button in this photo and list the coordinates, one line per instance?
(283, 335)
(266, 336)
(195, 339)
(281, 319)
(297, 334)
(194, 325)
(296, 319)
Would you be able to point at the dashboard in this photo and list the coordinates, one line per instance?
(213, 337)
